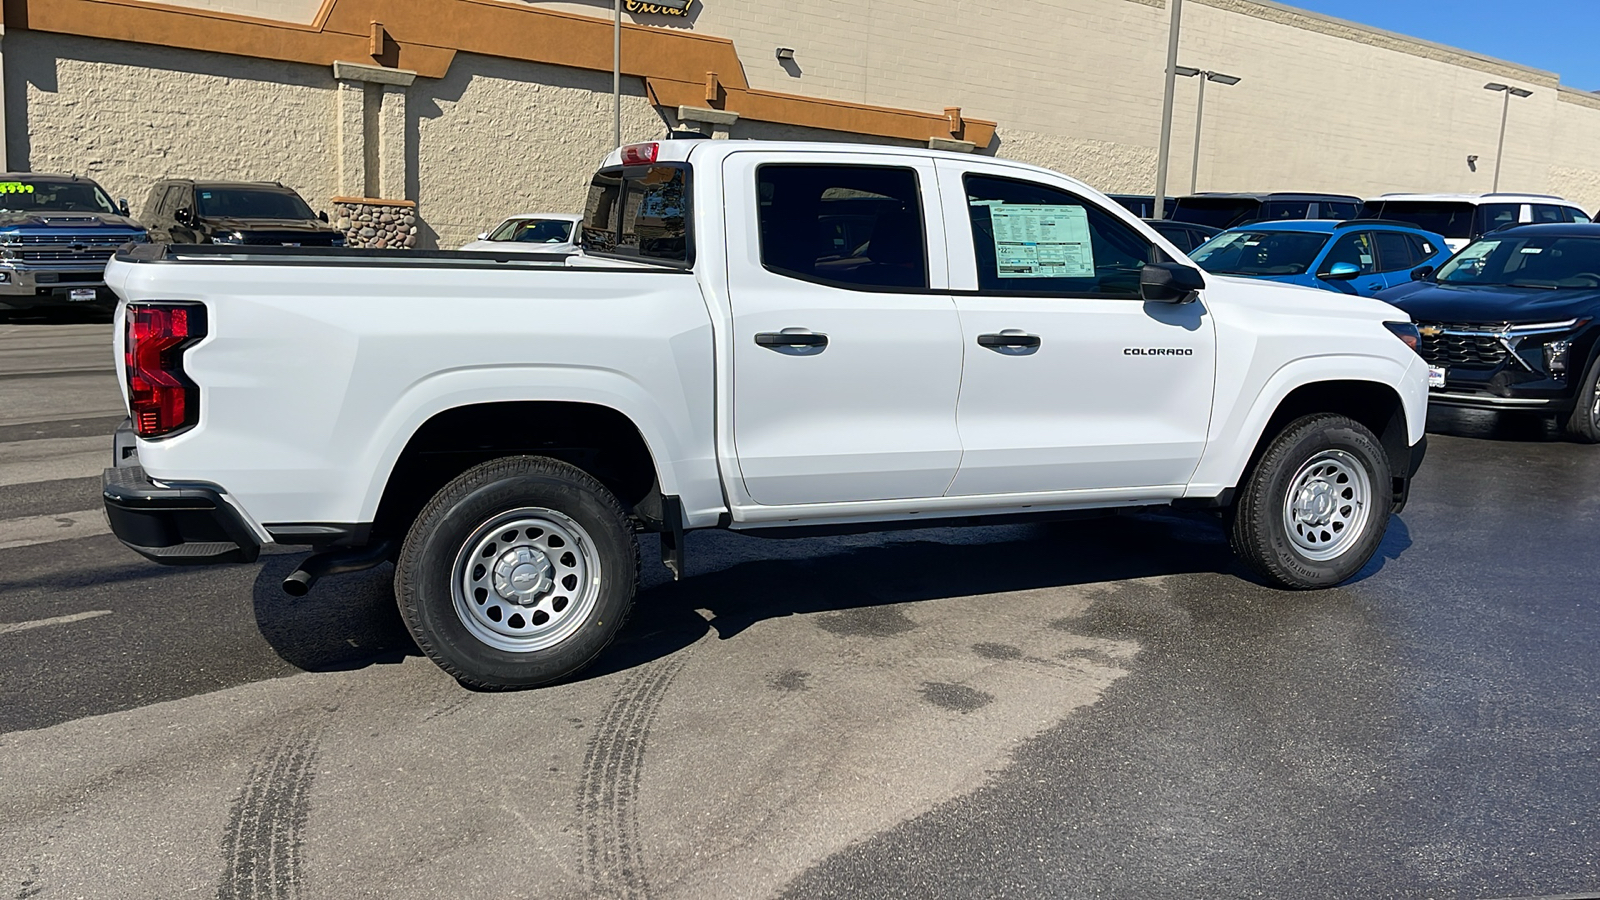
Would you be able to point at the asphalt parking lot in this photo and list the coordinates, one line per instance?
(1084, 709)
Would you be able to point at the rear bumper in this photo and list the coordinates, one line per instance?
(175, 526)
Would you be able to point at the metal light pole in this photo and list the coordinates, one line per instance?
(1200, 111)
(1166, 110)
(616, 72)
(1505, 112)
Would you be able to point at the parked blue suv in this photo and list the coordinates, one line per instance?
(1354, 256)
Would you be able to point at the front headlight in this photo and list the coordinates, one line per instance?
(234, 238)
(1555, 357)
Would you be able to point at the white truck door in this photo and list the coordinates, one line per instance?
(1071, 382)
(846, 344)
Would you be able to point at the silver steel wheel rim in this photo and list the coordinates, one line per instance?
(526, 580)
(1328, 504)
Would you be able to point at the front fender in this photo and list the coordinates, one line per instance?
(1234, 439)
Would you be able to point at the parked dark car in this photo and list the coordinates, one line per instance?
(1141, 205)
(1512, 322)
(1223, 211)
(1183, 235)
(181, 211)
(56, 233)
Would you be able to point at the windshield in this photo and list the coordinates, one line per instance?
(1543, 261)
(248, 203)
(1216, 212)
(25, 195)
(1452, 220)
(1260, 252)
(534, 231)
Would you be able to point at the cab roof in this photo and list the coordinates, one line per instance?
(1329, 226)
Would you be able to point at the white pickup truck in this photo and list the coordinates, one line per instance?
(763, 336)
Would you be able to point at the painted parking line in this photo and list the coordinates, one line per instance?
(9, 627)
(30, 530)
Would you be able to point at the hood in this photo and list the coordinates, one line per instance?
(77, 221)
(1427, 301)
(305, 226)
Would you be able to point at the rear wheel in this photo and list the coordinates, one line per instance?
(1315, 507)
(517, 573)
(1583, 423)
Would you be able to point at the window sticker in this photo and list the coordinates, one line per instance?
(15, 187)
(1041, 241)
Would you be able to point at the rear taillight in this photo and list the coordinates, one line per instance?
(161, 397)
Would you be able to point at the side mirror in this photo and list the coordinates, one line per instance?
(122, 207)
(1341, 271)
(1169, 282)
(1421, 273)
(323, 215)
(483, 235)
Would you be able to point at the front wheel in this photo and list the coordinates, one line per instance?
(1583, 423)
(517, 573)
(1316, 505)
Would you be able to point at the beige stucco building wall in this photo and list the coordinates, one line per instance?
(1074, 85)
(128, 115)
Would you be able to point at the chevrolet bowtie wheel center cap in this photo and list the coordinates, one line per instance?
(522, 575)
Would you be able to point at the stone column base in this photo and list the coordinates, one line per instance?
(376, 224)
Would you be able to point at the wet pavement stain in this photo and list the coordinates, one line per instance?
(871, 621)
(997, 651)
(791, 681)
(957, 697)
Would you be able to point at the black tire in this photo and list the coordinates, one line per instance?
(463, 518)
(1583, 423)
(1262, 533)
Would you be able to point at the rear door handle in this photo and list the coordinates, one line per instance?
(1009, 340)
(796, 338)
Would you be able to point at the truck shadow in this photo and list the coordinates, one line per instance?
(1519, 427)
(736, 581)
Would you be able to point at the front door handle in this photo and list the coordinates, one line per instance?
(1009, 340)
(797, 338)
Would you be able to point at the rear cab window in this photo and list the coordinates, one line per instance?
(641, 213)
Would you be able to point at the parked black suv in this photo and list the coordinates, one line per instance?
(1512, 322)
(182, 211)
(1224, 211)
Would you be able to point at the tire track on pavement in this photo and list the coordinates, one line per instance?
(608, 792)
(262, 843)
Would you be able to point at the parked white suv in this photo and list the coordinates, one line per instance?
(1463, 218)
(765, 337)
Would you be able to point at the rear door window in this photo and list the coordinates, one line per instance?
(1274, 210)
(1497, 215)
(1546, 213)
(1338, 209)
(858, 227)
(1395, 252)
